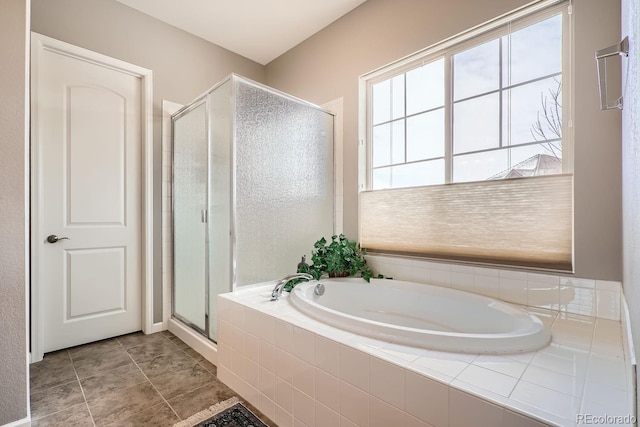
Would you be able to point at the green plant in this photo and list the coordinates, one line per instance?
(339, 258)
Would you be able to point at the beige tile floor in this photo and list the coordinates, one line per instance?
(133, 380)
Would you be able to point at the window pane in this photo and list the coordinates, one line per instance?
(382, 145)
(415, 174)
(476, 70)
(532, 112)
(381, 102)
(409, 175)
(532, 160)
(539, 159)
(388, 143)
(479, 166)
(532, 52)
(397, 142)
(425, 87)
(425, 136)
(476, 124)
(381, 178)
(397, 97)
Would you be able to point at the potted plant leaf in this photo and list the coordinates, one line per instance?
(340, 257)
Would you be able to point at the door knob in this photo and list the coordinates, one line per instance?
(53, 238)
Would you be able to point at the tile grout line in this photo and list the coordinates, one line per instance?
(71, 359)
(581, 397)
(147, 378)
(587, 374)
(134, 362)
(197, 363)
(127, 353)
(56, 412)
(81, 389)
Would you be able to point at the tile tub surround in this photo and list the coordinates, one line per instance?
(595, 298)
(298, 371)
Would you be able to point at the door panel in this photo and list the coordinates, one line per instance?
(96, 148)
(95, 283)
(88, 117)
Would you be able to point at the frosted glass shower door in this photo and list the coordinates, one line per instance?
(190, 158)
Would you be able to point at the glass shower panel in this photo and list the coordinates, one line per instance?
(220, 206)
(252, 191)
(283, 181)
(189, 205)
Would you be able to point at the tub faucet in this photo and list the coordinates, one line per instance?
(277, 291)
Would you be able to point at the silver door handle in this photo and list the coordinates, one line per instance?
(53, 238)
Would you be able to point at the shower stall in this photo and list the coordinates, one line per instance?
(252, 190)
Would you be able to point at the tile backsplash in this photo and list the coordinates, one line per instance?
(595, 298)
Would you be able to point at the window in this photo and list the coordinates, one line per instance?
(486, 108)
(448, 129)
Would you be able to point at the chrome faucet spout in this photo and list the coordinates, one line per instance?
(277, 291)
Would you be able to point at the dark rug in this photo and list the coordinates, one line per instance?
(236, 416)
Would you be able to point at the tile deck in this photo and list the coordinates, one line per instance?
(583, 372)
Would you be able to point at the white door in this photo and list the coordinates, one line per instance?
(87, 130)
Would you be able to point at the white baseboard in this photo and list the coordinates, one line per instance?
(206, 348)
(157, 327)
(25, 422)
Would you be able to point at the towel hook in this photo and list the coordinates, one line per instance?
(621, 48)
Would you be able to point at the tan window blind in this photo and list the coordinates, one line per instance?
(518, 222)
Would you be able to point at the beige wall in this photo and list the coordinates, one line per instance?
(327, 66)
(183, 65)
(631, 167)
(14, 25)
(598, 181)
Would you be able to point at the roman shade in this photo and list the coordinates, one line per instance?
(524, 222)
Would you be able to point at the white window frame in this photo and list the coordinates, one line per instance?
(495, 28)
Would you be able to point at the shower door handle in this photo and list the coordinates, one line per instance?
(204, 215)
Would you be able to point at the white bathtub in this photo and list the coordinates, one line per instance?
(422, 316)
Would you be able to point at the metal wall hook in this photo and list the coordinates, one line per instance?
(621, 48)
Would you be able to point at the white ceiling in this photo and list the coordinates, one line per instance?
(260, 30)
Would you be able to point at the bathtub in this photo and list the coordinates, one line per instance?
(421, 315)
